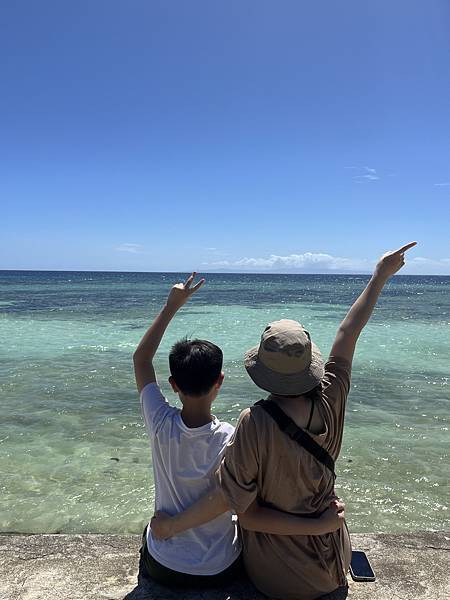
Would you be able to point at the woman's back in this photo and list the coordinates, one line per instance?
(264, 463)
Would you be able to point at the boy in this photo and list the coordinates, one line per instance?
(187, 448)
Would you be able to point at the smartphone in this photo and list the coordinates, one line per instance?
(360, 568)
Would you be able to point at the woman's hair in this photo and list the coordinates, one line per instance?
(314, 394)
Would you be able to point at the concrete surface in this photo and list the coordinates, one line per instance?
(104, 567)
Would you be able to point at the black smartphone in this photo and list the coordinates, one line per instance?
(360, 568)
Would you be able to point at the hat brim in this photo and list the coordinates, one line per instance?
(283, 384)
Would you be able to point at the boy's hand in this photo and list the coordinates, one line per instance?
(332, 518)
(181, 292)
(161, 525)
(391, 262)
(145, 352)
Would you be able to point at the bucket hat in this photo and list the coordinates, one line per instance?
(286, 362)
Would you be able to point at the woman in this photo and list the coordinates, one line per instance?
(265, 467)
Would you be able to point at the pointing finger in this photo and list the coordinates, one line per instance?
(405, 248)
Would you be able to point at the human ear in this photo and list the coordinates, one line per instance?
(220, 379)
(173, 385)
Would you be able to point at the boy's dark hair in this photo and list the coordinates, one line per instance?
(195, 366)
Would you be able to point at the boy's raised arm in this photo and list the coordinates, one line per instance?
(146, 350)
(357, 317)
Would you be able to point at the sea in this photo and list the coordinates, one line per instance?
(74, 453)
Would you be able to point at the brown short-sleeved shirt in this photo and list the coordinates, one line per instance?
(263, 462)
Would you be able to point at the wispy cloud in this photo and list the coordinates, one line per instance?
(363, 173)
(367, 173)
(131, 248)
(368, 177)
(443, 184)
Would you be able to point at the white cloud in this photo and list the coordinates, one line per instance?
(309, 261)
(320, 262)
(131, 248)
(443, 184)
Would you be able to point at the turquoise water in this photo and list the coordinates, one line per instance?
(74, 456)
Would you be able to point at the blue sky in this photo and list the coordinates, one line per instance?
(246, 135)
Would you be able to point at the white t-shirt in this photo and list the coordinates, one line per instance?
(184, 462)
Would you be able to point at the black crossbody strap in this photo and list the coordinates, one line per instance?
(287, 425)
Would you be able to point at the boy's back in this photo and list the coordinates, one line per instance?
(187, 448)
(184, 462)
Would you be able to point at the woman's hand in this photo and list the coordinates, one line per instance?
(332, 518)
(349, 330)
(391, 262)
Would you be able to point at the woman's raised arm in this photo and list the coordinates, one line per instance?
(357, 317)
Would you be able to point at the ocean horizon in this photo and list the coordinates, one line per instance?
(74, 453)
(223, 272)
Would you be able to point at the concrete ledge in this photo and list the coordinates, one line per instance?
(104, 567)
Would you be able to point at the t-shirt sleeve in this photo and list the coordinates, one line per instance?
(336, 388)
(154, 406)
(237, 474)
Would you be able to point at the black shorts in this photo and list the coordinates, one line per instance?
(152, 569)
(340, 593)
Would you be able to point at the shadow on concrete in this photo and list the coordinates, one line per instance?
(147, 589)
